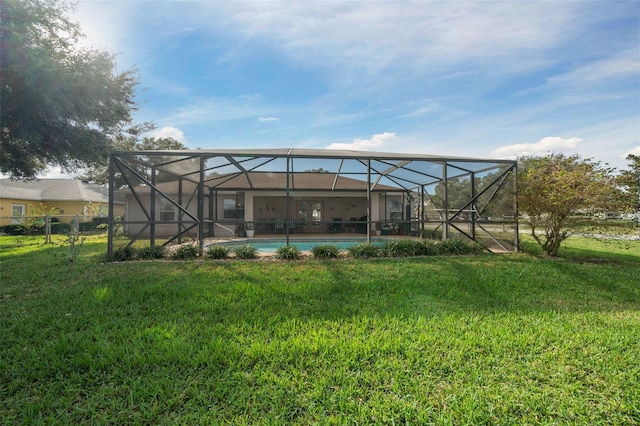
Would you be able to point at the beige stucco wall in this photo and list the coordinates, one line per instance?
(266, 206)
(134, 213)
(67, 209)
(7, 203)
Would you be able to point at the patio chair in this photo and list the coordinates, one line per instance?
(336, 226)
(352, 225)
(279, 225)
(361, 227)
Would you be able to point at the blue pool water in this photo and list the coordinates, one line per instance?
(270, 246)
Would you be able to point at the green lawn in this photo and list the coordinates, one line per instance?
(501, 339)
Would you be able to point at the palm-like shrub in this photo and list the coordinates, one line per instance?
(325, 251)
(402, 248)
(288, 253)
(428, 248)
(457, 246)
(245, 251)
(186, 252)
(151, 252)
(122, 254)
(363, 250)
(218, 251)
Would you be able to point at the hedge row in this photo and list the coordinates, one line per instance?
(38, 228)
(395, 248)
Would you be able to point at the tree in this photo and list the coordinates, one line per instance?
(553, 188)
(99, 173)
(630, 181)
(61, 104)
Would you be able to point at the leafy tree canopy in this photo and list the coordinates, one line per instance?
(99, 173)
(553, 188)
(61, 104)
(630, 181)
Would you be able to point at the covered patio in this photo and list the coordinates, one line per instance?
(197, 195)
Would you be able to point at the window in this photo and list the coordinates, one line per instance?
(167, 211)
(234, 207)
(18, 212)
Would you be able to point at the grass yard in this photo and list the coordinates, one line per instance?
(486, 339)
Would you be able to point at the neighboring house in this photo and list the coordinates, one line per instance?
(69, 197)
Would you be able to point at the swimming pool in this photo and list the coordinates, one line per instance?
(270, 246)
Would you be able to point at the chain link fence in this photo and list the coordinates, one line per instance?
(45, 229)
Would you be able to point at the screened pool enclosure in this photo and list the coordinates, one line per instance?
(206, 196)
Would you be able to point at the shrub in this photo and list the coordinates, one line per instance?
(325, 251)
(86, 226)
(122, 254)
(363, 250)
(428, 248)
(100, 221)
(37, 228)
(152, 252)
(217, 251)
(476, 248)
(60, 228)
(245, 251)
(186, 252)
(288, 253)
(16, 229)
(402, 248)
(457, 246)
(452, 246)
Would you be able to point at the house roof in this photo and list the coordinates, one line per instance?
(400, 171)
(303, 181)
(54, 189)
(297, 181)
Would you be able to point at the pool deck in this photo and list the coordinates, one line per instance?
(302, 237)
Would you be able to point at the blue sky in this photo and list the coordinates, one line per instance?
(488, 79)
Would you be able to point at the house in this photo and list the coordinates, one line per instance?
(317, 203)
(66, 197)
(199, 194)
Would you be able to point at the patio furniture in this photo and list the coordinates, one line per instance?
(361, 227)
(352, 225)
(336, 226)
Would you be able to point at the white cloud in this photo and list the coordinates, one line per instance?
(169, 132)
(266, 119)
(622, 65)
(422, 111)
(375, 142)
(339, 34)
(211, 110)
(546, 145)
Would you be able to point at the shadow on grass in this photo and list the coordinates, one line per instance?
(590, 250)
(427, 287)
(335, 289)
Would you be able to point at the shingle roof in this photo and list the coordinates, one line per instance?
(273, 181)
(53, 189)
(299, 181)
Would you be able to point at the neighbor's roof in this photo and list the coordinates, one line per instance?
(53, 189)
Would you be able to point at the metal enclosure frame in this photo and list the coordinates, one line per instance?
(442, 197)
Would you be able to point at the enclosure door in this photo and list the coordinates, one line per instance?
(309, 218)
